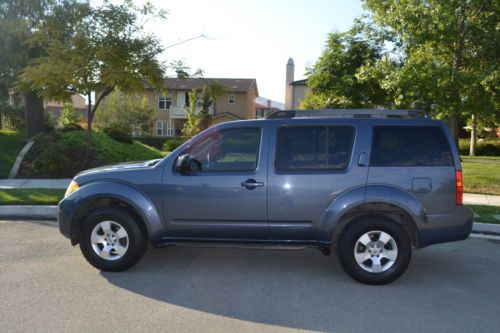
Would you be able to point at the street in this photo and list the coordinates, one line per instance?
(46, 285)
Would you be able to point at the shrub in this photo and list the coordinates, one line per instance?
(488, 149)
(12, 117)
(71, 128)
(172, 144)
(49, 123)
(118, 134)
(52, 160)
(152, 141)
(483, 148)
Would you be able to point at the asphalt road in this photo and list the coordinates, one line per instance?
(47, 286)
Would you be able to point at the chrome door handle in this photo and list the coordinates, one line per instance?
(251, 184)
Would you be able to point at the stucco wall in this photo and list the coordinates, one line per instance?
(239, 108)
(299, 92)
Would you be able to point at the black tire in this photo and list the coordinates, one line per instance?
(349, 240)
(137, 238)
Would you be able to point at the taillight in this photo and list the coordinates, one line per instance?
(460, 187)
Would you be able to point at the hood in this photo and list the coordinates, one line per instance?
(119, 167)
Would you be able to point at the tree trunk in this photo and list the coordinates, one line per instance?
(454, 125)
(455, 76)
(473, 136)
(33, 112)
(88, 149)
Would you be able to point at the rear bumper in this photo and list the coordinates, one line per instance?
(445, 228)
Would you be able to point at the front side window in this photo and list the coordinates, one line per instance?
(314, 148)
(227, 150)
(410, 146)
(231, 99)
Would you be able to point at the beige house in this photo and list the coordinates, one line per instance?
(54, 108)
(295, 91)
(78, 102)
(238, 102)
(264, 110)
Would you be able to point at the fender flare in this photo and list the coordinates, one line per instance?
(359, 196)
(126, 193)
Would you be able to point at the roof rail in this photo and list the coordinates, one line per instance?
(349, 113)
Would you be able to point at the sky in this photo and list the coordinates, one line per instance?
(252, 38)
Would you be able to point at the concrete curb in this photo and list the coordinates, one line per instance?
(486, 228)
(28, 212)
(50, 212)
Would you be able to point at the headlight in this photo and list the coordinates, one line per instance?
(73, 186)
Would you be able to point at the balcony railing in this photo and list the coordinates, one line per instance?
(179, 113)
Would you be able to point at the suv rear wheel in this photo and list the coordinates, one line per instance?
(374, 250)
(111, 239)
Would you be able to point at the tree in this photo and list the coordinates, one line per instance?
(211, 90)
(194, 117)
(333, 81)
(449, 48)
(127, 112)
(69, 117)
(19, 20)
(94, 49)
(215, 89)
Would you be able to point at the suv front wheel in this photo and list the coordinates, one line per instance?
(374, 250)
(112, 240)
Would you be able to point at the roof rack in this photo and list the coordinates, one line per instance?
(350, 113)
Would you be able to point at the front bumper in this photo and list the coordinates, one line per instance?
(443, 228)
(66, 212)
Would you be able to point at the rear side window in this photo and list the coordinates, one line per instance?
(410, 146)
(314, 148)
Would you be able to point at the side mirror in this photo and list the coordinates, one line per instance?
(183, 163)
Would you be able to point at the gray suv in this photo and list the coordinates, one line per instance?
(371, 184)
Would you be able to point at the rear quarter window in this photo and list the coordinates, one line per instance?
(410, 146)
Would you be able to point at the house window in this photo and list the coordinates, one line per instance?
(199, 101)
(164, 128)
(164, 102)
(231, 99)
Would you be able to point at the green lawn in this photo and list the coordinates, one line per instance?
(11, 144)
(27, 196)
(481, 174)
(486, 213)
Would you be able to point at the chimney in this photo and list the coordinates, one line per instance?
(290, 69)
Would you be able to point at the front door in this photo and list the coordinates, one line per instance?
(223, 196)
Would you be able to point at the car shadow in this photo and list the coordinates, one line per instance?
(300, 289)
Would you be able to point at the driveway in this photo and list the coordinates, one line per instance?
(46, 285)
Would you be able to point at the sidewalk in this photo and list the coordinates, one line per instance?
(6, 184)
(481, 199)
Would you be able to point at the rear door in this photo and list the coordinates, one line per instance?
(417, 159)
(310, 165)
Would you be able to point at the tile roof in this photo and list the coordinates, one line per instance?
(198, 83)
